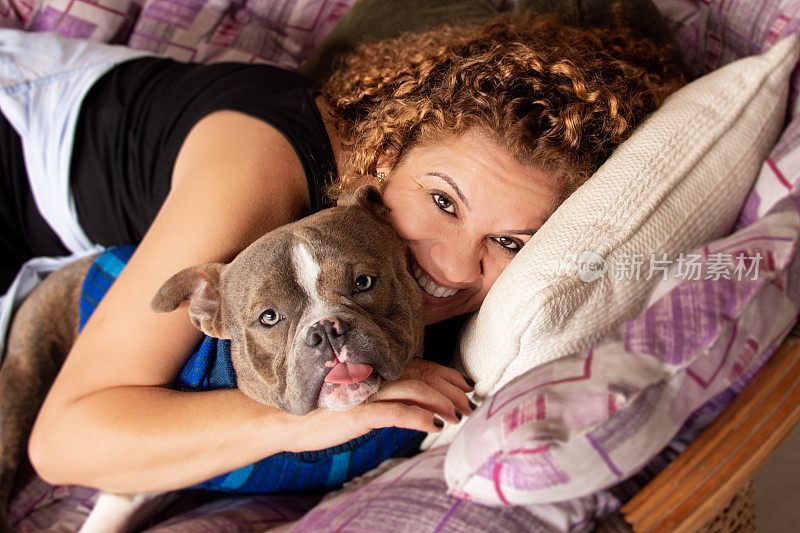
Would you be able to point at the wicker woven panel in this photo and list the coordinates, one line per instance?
(738, 516)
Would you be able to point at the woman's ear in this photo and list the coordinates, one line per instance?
(386, 162)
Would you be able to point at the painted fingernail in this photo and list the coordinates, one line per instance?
(469, 381)
(472, 405)
(458, 414)
(438, 422)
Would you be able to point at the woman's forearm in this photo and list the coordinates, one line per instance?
(149, 439)
(142, 439)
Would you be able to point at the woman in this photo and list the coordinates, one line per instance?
(475, 136)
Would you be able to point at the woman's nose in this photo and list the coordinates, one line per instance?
(458, 263)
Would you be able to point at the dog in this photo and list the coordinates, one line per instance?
(319, 313)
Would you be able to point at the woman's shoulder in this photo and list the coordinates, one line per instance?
(137, 118)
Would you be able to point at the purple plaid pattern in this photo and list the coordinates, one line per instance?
(412, 496)
(279, 32)
(533, 469)
(98, 20)
(16, 13)
(68, 25)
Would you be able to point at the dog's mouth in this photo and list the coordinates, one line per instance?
(346, 394)
(346, 384)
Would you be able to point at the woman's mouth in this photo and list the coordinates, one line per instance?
(433, 292)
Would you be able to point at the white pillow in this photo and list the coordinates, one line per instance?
(677, 183)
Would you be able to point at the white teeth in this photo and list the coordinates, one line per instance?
(430, 287)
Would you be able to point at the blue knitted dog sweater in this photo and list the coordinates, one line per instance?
(209, 367)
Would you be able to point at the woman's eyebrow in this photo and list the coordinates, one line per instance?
(527, 231)
(452, 183)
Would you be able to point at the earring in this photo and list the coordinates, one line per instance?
(381, 178)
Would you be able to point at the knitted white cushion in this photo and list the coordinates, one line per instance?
(677, 183)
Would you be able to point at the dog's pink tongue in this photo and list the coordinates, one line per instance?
(348, 373)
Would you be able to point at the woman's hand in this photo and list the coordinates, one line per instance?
(424, 396)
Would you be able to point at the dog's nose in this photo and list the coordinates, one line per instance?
(328, 328)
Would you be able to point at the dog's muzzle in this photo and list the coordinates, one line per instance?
(347, 383)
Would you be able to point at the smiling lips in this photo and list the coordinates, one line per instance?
(428, 285)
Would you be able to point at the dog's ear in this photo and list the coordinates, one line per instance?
(368, 197)
(200, 286)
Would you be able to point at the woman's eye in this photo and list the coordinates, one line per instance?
(270, 317)
(364, 282)
(508, 243)
(443, 203)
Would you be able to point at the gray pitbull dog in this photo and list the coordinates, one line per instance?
(319, 313)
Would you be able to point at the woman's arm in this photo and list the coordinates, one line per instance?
(109, 421)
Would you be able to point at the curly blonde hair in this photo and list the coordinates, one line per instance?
(558, 97)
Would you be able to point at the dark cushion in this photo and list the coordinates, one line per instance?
(641, 15)
(376, 19)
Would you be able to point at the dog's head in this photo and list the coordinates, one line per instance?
(318, 312)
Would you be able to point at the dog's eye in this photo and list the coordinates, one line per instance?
(270, 317)
(364, 282)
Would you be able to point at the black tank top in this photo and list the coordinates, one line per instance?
(135, 118)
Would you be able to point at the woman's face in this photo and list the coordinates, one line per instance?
(465, 206)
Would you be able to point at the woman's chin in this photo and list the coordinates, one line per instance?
(437, 309)
(432, 316)
(437, 313)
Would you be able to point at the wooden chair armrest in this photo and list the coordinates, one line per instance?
(702, 480)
